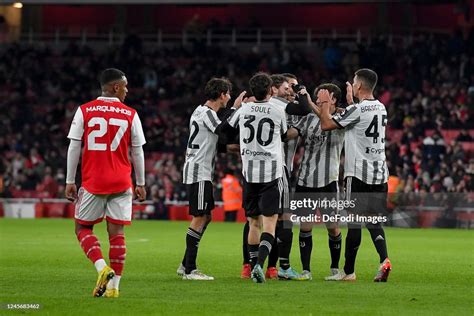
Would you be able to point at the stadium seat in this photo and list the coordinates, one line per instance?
(468, 146)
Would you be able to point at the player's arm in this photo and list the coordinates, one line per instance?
(138, 157)
(349, 117)
(73, 154)
(284, 129)
(302, 107)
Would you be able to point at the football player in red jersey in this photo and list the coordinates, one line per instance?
(108, 128)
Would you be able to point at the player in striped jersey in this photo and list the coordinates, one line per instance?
(282, 96)
(319, 173)
(198, 170)
(365, 169)
(291, 145)
(262, 128)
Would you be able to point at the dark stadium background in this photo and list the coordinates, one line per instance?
(50, 57)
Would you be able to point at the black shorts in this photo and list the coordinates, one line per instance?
(263, 198)
(328, 192)
(201, 198)
(369, 198)
(331, 187)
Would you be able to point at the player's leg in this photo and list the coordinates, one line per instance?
(353, 240)
(335, 245)
(118, 214)
(265, 246)
(250, 204)
(200, 205)
(377, 232)
(284, 231)
(306, 246)
(117, 254)
(334, 233)
(272, 272)
(246, 267)
(269, 203)
(254, 239)
(90, 209)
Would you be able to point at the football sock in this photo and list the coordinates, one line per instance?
(266, 242)
(100, 265)
(117, 252)
(378, 237)
(286, 240)
(245, 250)
(192, 244)
(114, 283)
(353, 239)
(335, 243)
(91, 247)
(306, 247)
(253, 254)
(273, 256)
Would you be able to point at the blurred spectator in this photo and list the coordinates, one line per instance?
(428, 86)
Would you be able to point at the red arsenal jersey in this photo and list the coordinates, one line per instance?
(107, 127)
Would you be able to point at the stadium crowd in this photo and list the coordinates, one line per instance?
(426, 83)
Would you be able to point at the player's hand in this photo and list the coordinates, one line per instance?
(140, 193)
(238, 101)
(71, 192)
(325, 97)
(349, 93)
(340, 110)
(303, 92)
(233, 148)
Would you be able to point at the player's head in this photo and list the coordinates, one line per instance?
(260, 85)
(114, 83)
(365, 81)
(292, 80)
(332, 88)
(280, 86)
(218, 90)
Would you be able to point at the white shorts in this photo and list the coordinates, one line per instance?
(91, 208)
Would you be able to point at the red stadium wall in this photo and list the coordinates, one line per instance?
(322, 16)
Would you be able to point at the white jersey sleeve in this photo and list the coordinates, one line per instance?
(138, 138)
(349, 117)
(234, 118)
(210, 120)
(77, 126)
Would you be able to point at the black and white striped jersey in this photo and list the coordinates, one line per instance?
(290, 147)
(364, 125)
(261, 126)
(322, 153)
(202, 145)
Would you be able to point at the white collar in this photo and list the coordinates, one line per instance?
(112, 99)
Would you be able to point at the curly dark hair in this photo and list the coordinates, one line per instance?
(216, 86)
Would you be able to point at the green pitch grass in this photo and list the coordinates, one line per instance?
(41, 262)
